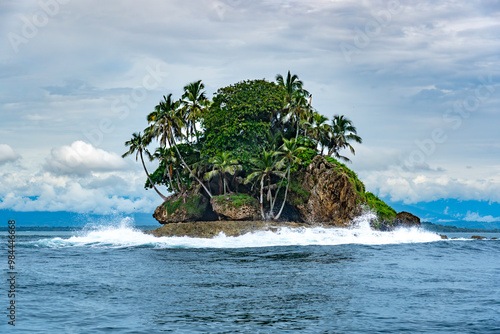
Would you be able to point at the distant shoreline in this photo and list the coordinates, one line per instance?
(448, 228)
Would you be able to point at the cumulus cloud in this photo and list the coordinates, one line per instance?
(104, 194)
(7, 154)
(405, 71)
(475, 217)
(82, 158)
(409, 188)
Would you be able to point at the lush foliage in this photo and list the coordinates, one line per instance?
(235, 200)
(383, 211)
(192, 205)
(246, 142)
(239, 119)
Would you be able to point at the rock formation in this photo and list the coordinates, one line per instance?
(323, 194)
(327, 195)
(406, 219)
(234, 207)
(186, 207)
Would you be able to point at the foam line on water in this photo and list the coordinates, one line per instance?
(125, 235)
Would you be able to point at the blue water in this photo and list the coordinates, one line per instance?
(115, 279)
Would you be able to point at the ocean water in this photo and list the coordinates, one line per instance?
(113, 278)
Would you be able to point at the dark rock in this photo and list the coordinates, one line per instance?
(182, 208)
(477, 237)
(494, 238)
(235, 207)
(406, 219)
(323, 194)
(381, 225)
(327, 195)
(210, 229)
(443, 236)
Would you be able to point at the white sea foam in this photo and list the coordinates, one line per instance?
(125, 235)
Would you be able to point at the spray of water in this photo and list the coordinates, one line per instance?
(124, 234)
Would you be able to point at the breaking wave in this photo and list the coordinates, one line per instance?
(125, 235)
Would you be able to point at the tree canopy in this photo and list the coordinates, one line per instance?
(239, 118)
(250, 138)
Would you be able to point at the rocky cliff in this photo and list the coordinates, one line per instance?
(323, 193)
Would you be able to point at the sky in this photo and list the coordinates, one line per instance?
(418, 79)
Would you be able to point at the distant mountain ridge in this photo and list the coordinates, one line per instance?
(453, 212)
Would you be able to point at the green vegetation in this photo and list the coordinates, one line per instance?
(172, 206)
(236, 200)
(383, 211)
(301, 195)
(192, 205)
(353, 177)
(245, 143)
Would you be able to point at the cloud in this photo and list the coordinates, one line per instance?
(7, 154)
(87, 65)
(425, 187)
(475, 217)
(82, 158)
(121, 191)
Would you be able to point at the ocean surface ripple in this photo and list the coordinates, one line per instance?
(113, 278)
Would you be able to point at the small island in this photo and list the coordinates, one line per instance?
(258, 156)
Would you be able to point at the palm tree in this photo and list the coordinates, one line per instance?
(292, 86)
(194, 102)
(296, 105)
(223, 163)
(201, 167)
(168, 122)
(274, 138)
(265, 168)
(168, 158)
(319, 129)
(298, 111)
(342, 132)
(136, 144)
(289, 151)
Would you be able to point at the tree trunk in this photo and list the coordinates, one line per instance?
(178, 182)
(147, 174)
(298, 128)
(277, 191)
(270, 196)
(262, 198)
(170, 178)
(284, 198)
(220, 185)
(195, 131)
(189, 169)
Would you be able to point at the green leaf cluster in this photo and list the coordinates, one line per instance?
(382, 210)
(236, 200)
(192, 205)
(239, 119)
(249, 139)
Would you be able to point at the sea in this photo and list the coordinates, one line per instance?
(111, 277)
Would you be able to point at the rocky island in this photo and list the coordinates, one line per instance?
(256, 157)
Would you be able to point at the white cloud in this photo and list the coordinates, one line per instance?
(81, 158)
(437, 48)
(105, 193)
(7, 154)
(409, 188)
(475, 217)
